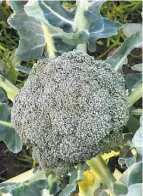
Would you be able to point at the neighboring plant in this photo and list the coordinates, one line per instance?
(49, 33)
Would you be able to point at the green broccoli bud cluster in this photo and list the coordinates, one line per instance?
(70, 109)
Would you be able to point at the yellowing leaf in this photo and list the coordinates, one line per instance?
(88, 185)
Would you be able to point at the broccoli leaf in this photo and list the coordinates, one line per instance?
(6, 187)
(126, 156)
(58, 34)
(138, 67)
(3, 96)
(133, 124)
(98, 26)
(132, 80)
(135, 176)
(32, 42)
(61, 27)
(76, 175)
(138, 139)
(56, 15)
(131, 179)
(33, 189)
(119, 57)
(101, 192)
(92, 13)
(131, 28)
(7, 132)
(102, 28)
(135, 189)
(23, 69)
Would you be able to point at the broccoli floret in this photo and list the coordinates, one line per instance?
(70, 109)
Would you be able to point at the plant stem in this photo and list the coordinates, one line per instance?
(4, 123)
(135, 95)
(10, 89)
(49, 42)
(102, 172)
(137, 112)
(80, 22)
(37, 176)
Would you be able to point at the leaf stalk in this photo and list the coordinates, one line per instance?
(135, 95)
(102, 172)
(49, 42)
(80, 22)
(10, 89)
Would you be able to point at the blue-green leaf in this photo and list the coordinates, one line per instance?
(7, 132)
(3, 96)
(126, 157)
(56, 15)
(23, 69)
(138, 139)
(131, 179)
(135, 176)
(32, 42)
(134, 190)
(131, 28)
(132, 80)
(138, 67)
(102, 28)
(92, 14)
(133, 124)
(33, 189)
(60, 24)
(76, 175)
(6, 187)
(120, 188)
(119, 57)
(101, 192)
(58, 34)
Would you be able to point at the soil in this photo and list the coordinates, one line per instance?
(13, 164)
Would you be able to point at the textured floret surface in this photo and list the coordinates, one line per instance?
(70, 109)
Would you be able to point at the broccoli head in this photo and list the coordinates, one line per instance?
(70, 109)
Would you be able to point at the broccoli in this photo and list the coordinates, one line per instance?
(70, 109)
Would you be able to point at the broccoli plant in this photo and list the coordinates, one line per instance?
(72, 109)
(76, 105)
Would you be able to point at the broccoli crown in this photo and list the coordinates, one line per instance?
(70, 109)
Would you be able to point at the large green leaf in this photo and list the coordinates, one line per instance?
(119, 57)
(33, 189)
(120, 188)
(32, 42)
(101, 192)
(7, 132)
(98, 26)
(135, 176)
(126, 157)
(131, 28)
(132, 80)
(3, 96)
(133, 124)
(76, 175)
(46, 10)
(61, 24)
(23, 69)
(132, 177)
(138, 138)
(134, 190)
(138, 67)
(102, 29)
(56, 15)
(6, 187)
